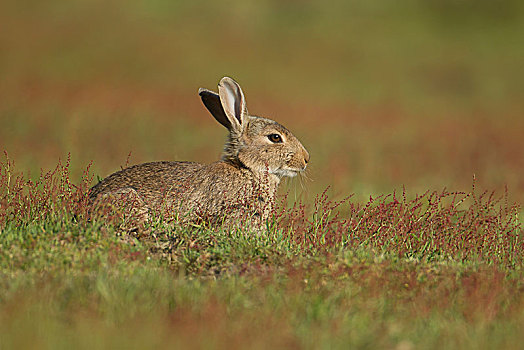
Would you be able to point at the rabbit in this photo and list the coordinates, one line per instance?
(238, 189)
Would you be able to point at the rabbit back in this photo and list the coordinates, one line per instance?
(151, 181)
(218, 192)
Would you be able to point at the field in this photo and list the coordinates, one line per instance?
(406, 232)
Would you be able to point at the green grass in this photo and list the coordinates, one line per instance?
(87, 290)
(432, 271)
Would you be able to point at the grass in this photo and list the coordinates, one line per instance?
(413, 110)
(437, 270)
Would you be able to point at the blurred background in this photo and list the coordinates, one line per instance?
(383, 93)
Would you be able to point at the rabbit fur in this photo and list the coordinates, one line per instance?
(238, 188)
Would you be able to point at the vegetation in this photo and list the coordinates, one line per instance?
(391, 272)
(411, 113)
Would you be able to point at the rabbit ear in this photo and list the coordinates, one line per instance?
(233, 103)
(212, 102)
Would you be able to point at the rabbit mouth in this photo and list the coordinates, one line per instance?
(286, 172)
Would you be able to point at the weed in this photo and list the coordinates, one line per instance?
(440, 261)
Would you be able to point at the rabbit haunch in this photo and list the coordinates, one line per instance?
(240, 186)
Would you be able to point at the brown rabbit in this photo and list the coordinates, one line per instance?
(238, 189)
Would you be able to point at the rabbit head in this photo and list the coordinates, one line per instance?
(259, 144)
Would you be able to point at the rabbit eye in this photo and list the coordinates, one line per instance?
(275, 138)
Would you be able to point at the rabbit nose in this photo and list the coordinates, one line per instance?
(306, 157)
